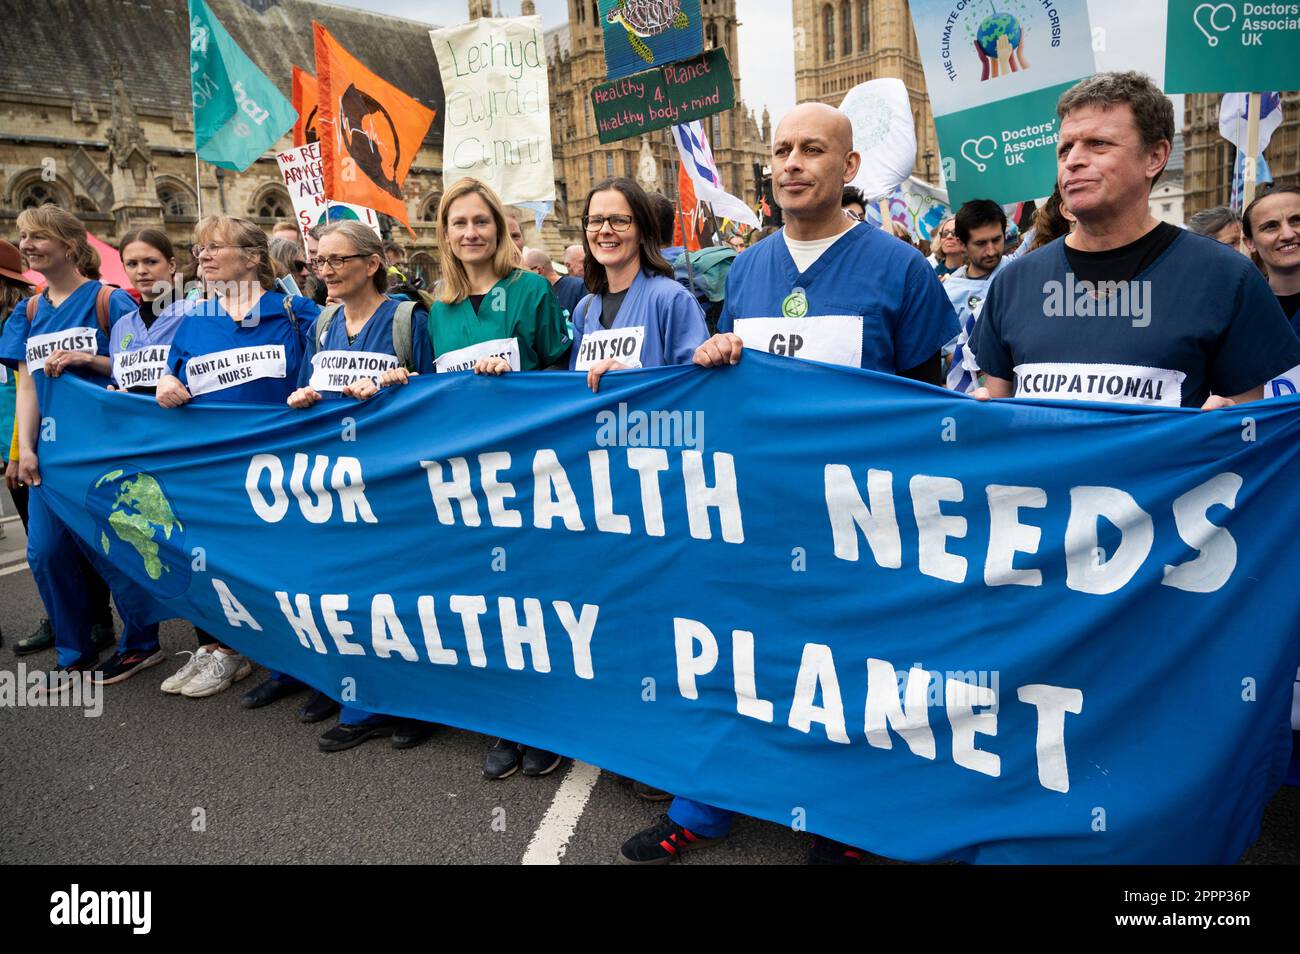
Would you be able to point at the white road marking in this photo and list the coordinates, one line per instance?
(15, 569)
(552, 836)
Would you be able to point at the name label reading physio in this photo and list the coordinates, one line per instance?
(834, 339)
(464, 359)
(141, 368)
(336, 370)
(622, 344)
(1109, 383)
(78, 907)
(226, 369)
(40, 347)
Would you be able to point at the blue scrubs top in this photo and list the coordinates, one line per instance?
(670, 316)
(140, 352)
(341, 358)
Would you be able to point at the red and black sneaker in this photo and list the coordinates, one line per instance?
(122, 666)
(58, 681)
(824, 851)
(661, 843)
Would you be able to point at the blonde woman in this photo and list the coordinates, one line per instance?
(63, 329)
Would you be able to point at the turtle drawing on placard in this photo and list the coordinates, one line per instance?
(642, 18)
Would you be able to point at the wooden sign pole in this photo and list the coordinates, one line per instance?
(1252, 150)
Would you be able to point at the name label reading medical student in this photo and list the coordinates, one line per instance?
(464, 359)
(1110, 383)
(142, 368)
(336, 370)
(226, 369)
(40, 347)
(834, 339)
(622, 344)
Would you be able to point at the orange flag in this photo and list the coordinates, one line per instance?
(689, 211)
(305, 99)
(369, 131)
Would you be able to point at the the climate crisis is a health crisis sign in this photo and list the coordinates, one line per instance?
(1017, 631)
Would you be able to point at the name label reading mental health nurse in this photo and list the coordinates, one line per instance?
(40, 347)
(834, 339)
(336, 370)
(622, 344)
(225, 369)
(464, 359)
(1109, 383)
(141, 368)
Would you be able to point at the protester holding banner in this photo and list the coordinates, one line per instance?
(855, 296)
(65, 328)
(1271, 228)
(245, 344)
(637, 316)
(1199, 325)
(490, 315)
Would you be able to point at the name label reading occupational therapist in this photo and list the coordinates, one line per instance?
(141, 368)
(464, 359)
(226, 369)
(834, 339)
(336, 370)
(1110, 383)
(40, 347)
(622, 344)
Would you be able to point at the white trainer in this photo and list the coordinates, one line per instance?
(220, 671)
(174, 683)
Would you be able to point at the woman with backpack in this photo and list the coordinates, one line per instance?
(65, 328)
(246, 317)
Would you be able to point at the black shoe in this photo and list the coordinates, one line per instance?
(502, 760)
(346, 736)
(103, 636)
(661, 843)
(411, 732)
(43, 638)
(272, 690)
(122, 666)
(824, 851)
(540, 762)
(649, 794)
(319, 708)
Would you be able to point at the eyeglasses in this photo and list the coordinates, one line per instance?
(335, 262)
(619, 223)
(299, 266)
(947, 233)
(213, 248)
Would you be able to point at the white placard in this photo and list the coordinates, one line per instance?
(834, 339)
(227, 369)
(1109, 383)
(336, 370)
(622, 344)
(141, 368)
(301, 169)
(464, 359)
(1284, 385)
(40, 347)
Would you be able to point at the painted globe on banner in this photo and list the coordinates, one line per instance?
(338, 213)
(995, 26)
(139, 531)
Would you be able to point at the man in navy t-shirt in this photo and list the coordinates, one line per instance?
(1126, 309)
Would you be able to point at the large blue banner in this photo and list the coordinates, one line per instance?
(934, 628)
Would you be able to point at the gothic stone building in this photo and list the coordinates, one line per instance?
(1210, 157)
(96, 116)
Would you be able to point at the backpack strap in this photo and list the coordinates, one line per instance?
(103, 298)
(402, 347)
(323, 321)
(32, 304)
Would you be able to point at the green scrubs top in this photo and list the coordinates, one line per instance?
(519, 306)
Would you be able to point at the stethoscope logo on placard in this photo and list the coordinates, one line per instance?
(977, 148)
(1214, 9)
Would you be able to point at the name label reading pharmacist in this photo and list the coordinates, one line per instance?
(336, 370)
(142, 368)
(464, 359)
(834, 339)
(40, 347)
(225, 369)
(1111, 383)
(621, 344)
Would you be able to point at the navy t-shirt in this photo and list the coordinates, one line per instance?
(569, 290)
(1199, 320)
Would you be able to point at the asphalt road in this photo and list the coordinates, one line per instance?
(165, 779)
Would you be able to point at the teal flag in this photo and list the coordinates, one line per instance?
(238, 112)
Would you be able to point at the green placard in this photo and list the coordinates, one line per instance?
(668, 96)
(1232, 46)
(1004, 151)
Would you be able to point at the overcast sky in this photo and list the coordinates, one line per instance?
(1134, 38)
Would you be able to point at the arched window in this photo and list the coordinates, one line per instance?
(430, 211)
(422, 265)
(273, 204)
(846, 26)
(828, 31)
(711, 35)
(39, 193)
(175, 199)
(864, 26)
